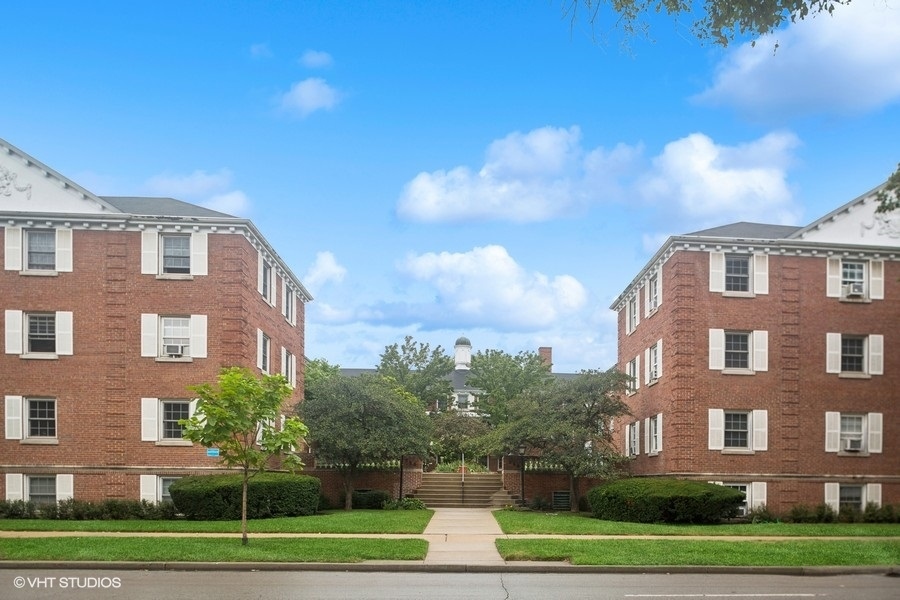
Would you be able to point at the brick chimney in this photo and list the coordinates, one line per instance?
(546, 354)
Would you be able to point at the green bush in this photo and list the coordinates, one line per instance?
(664, 501)
(404, 504)
(370, 498)
(218, 497)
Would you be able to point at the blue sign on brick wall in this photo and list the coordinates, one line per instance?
(213, 452)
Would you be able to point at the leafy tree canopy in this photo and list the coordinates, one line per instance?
(889, 196)
(501, 377)
(419, 370)
(454, 434)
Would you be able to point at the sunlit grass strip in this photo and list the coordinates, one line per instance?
(525, 522)
(790, 553)
(152, 549)
(354, 521)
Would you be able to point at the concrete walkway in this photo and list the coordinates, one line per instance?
(463, 536)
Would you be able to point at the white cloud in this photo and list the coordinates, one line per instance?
(308, 96)
(260, 51)
(233, 203)
(314, 59)
(710, 182)
(211, 190)
(325, 269)
(845, 64)
(526, 177)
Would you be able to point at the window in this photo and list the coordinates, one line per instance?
(155, 488)
(40, 250)
(38, 335)
(41, 334)
(632, 438)
(853, 433)
(263, 347)
(854, 355)
(41, 489)
(173, 337)
(754, 494)
(176, 254)
(462, 402)
(852, 497)
(30, 419)
(632, 369)
(738, 430)
(743, 509)
(289, 367)
(159, 420)
(164, 483)
(653, 362)
(632, 318)
(265, 283)
(653, 294)
(288, 307)
(855, 279)
(41, 418)
(737, 273)
(741, 352)
(653, 434)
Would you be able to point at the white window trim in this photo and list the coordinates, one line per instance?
(872, 435)
(873, 361)
(16, 337)
(152, 422)
(288, 302)
(650, 307)
(759, 351)
(261, 339)
(757, 434)
(871, 493)
(17, 486)
(649, 375)
(649, 439)
(151, 487)
(289, 366)
(873, 279)
(759, 274)
(632, 313)
(151, 257)
(15, 250)
(633, 437)
(16, 419)
(151, 347)
(271, 297)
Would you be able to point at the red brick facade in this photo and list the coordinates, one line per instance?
(791, 393)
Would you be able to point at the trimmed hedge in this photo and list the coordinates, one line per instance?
(218, 497)
(664, 501)
(82, 510)
(370, 499)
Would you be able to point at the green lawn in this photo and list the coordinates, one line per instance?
(564, 523)
(671, 552)
(355, 521)
(186, 549)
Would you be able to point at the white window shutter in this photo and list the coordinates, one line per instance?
(65, 486)
(293, 367)
(647, 365)
(13, 427)
(627, 317)
(637, 372)
(12, 251)
(659, 432)
(198, 336)
(873, 493)
(192, 408)
(717, 271)
(293, 316)
(637, 438)
(876, 280)
(760, 430)
(199, 253)
(14, 342)
(284, 293)
(760, 350)
(627, 440)
(647, 435)
(876, 355)
(259, 272)
(832, 353)
(64, 250)
(659, 359)
(659, 288)
(64, 333)
(833, 283)
(716, 349)
(15, 486)
(149, 419)
(758, 494)
(149, 252)
(149, 486)
(259, 349)
(716, 429)
(284, 366)
(832, 431)
(874, 422)
(149, 332)
(760, 273)
(833, 496)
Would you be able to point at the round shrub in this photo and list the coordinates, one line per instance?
(664, 501)
(370, 499)
(218, 497)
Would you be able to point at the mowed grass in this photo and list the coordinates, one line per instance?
(339, 521)
(186, 549)
(564, 523)
(674, 552)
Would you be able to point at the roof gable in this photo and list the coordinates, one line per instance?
(855, 223)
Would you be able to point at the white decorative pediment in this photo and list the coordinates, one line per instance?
(26, 185)
(855, 223)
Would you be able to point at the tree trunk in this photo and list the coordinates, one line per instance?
(349, 476)
(244, 540)
(573, 493)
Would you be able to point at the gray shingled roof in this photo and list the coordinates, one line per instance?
(162, 207)
(744, 230)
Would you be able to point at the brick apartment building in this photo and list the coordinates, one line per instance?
(111, 308)
(766, 358)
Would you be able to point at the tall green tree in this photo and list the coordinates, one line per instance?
(358, 420)
(419, 370)
(240, 416)
(889, 196)
(716, 21)
(316, 370)
(501, 377)
(454, 434)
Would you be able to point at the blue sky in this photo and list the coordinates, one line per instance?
(438, 168)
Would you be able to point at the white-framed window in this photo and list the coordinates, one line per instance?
(633, 370)
(30, 419)
(754, 494)
(854, 433)
(160, 416)
(738, 430)
(173, 337)
(734, 274)
(738, 351)
(289, 366)
(288, 303)
(633, 438)
(37, 251)
(855, 279)
(852, 496)
(462, 401)
(632, 317)
(653, 434)
(175, 254)
(265, 279)
(653, 294)
(263, 351)
(39, 334)
(40, 489)
(854, 355)
(155, 488)
(653, 363)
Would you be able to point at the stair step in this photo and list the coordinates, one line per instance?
(458, 490)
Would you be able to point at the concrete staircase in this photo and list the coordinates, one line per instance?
(450, 490)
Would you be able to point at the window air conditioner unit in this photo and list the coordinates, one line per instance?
(173, 350)
(852, 445)
(653, 375)
(855, 289)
